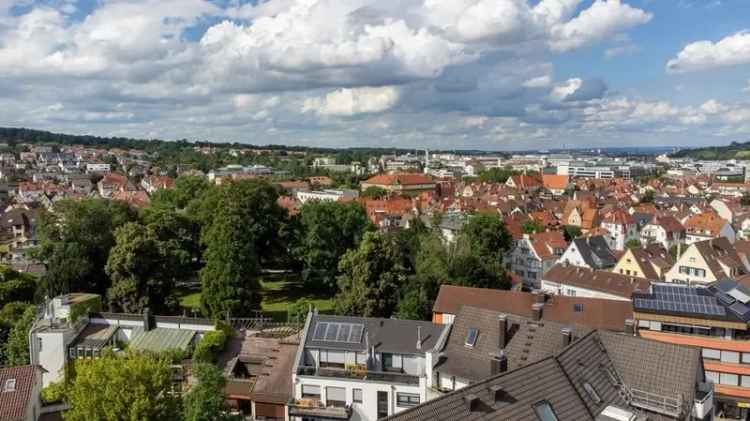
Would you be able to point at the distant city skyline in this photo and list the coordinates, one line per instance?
(461, 74)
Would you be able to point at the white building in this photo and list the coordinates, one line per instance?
(363, 368)
(98, 167)
(326, 195)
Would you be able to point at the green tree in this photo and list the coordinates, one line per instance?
(186, 190)
(496, 175)
(16, 349)
(329, 229)
(486, 233)
(374, 192)
(206, 400)
(632, 244)
(571, 232)
(74, 244)
(297, 311)
(16, 286)
(145, 263)
(371, 277)
(122, 388)
(243, 235)
(531, 226)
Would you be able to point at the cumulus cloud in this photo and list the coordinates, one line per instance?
(348, 102)
(603, 19)
(701, 55)
(577, 89)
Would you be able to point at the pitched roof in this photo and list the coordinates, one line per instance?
(13, 403)
(545, 243)
(718, 252)
(553, 181)
(707, 223)
(599, 360)
(670, 224)
(596, 313)
(403, 179)
(651, 257)
(618, 216)
(595, 251)
(596, 280)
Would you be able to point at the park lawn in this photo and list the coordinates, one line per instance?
(278, 293)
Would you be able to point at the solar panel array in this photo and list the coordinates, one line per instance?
(338, 332)
(680, 299)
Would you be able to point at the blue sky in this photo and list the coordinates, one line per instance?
(487, 74)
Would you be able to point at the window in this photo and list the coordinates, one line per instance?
(578, 308)
(357, 395)
(336, 396)
(745, 381)
(746, 358)
(712, 376)
(10, 385)
(730, 357)
(729, 379)
(39, 343)
(711, 354)
(592, 393)
(570, 292)
(471, 337)
(407, 399)
(544, 411)
(310, 391)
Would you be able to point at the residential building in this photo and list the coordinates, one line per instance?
(594, 313)
(156, 182)
(363, 368)
(708, 261)
(713, 319)
(20, 390)
(650, 262)
(72, 327)
(621, 227)
(524, 182)
(98, 167)
(401, 183)
(576, 281)
(533, 255)
(556, 184)
(590, 252)
(602, 376)
(664, 230)
(707, 225)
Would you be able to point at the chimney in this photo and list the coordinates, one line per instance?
(148, 319)
(629, 326)
(502, 330)
(472, 402)
(536, 311)
(498, 393)
(567, 336)
(498, 363)
(419, 337)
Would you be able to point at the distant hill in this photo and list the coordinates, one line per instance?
(735, 150)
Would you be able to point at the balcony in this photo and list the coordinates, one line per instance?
(704, 400)
(359, 373)
(315, 408)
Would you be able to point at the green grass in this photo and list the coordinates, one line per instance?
(279, 291)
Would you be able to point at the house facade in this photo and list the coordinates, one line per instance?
(535, 254)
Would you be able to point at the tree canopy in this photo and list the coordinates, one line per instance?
(206, 400)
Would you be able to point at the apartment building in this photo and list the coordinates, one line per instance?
(650, 262)
(664, 230)
(714, 319)
(328, 195)
(707, 225)
(578, 281)
(363, 368)
(591, 252)
(708, 261)
(535, 254)
(621, 227)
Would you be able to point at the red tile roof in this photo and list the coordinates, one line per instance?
(403, 179)
(13, 404)
(558, 182)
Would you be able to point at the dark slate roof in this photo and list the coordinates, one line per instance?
(386, 335)
(527, 342)
(600, 360)
(596, 252)
(642, 218)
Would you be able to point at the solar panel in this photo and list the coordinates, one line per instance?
(356, 336)
(320, 331)
(332, 332)
(740, 309)
(344, 331)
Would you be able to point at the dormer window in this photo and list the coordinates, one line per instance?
(471, 337)
(10, 385)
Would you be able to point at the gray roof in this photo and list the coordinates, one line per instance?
(527, 342)
(600, 361)
(160, 339)
(596, 252)
(386, 335)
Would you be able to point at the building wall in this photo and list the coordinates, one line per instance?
(573, 257)
(693, 259)
(575, 291)
(628, 265)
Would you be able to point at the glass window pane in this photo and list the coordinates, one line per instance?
(544, 411)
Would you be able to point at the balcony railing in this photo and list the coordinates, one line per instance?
(315, 408)
(359, 374)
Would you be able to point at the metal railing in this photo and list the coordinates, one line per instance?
(360, 374)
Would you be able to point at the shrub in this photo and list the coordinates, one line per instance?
(209, 346)
(55, 392)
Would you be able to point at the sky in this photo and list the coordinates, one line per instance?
(441, 74)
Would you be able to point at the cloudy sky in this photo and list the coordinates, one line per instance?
(488, 74)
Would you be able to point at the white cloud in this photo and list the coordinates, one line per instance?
(347, 102)
(747, 88)
(603, 19)
(701, 55)
(713, 106)
(538, 82)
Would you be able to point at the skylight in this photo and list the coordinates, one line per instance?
(10, 385)
(471, 337)
(544, 411)
(592, 393)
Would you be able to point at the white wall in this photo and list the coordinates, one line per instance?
(575, 291)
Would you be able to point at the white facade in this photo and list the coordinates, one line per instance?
(98, 167)
(726, 231)
(326, 195)
(575, 291)
(573, 256)
(620, 234)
